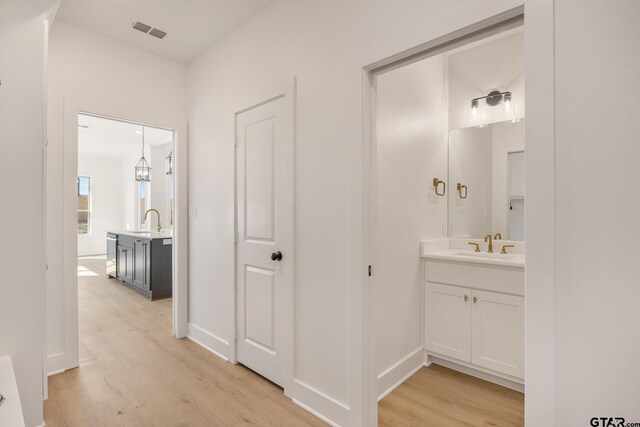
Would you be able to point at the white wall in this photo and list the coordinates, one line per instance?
(411, 130)
(326, 45)
(597, 205)
(101, 76)
(471, 164)
(107, 210)
(160, 187)
(22, 260)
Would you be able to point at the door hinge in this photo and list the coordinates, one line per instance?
(370, 271)
(235, 237)
(235, 335)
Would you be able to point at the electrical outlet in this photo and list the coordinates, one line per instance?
(193, 211)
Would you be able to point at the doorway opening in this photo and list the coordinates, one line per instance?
(125, 234)
(448, 257)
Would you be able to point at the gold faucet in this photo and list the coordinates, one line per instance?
(159, 228)
(488, 239)
(498, 236)
(504, 248)
(476, 245)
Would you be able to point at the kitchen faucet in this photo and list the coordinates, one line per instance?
(159, 228)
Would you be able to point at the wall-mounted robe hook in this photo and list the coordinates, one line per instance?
(463, 191)
(436, 186)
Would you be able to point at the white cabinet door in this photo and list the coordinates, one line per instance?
(498, 332)
(448, 321)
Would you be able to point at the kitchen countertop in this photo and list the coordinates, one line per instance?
(164, 234)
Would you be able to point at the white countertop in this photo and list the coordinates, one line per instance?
(164, 234)
(10, 409)
(459, 250)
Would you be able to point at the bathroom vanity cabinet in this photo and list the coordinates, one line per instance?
(474, 316)
(143, 261)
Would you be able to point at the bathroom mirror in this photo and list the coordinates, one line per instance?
(486, 191)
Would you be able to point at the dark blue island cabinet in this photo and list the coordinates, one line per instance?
(142, 261)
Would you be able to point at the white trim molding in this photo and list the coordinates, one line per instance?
(327, 409)
(475, 371)
(56, 364)
(209, 341)
(393, 377)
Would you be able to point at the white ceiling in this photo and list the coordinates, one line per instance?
(192, 25)
(115, 138)
(494, 63)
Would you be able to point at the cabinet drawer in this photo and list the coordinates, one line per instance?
(508, 280)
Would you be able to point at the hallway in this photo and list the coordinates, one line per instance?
(133, 372)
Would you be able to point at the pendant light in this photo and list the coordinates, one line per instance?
(143, 171)
(168, 163)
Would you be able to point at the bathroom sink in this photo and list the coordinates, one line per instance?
(486, 255)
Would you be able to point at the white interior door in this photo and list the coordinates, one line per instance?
(264, 279)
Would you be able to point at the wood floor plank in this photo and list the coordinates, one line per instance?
(438, 396)
(133, 372)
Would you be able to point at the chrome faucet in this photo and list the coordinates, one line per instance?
(488, 239)
(159, 228)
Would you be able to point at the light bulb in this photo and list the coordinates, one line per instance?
(474, 109)
(507, 102)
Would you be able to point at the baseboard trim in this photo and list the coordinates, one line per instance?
(207, 340)
(390, 379)
(475, 372)
(319, 404)
(56, 364)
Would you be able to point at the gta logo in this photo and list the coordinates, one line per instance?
(607, 422)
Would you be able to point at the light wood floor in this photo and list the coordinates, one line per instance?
(437, 396)
(133, 372)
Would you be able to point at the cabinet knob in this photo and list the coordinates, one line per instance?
(466, 298)
(475, 300)
(276, 256)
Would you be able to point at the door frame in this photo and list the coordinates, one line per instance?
(287, 91)
(69, 359)
(540, 229)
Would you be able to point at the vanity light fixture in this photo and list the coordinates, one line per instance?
(143, 171)
(474, 109)
(507, 102)
(493, 99)
(168, 163)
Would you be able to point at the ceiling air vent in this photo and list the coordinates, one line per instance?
(157, 33)
(140, 26)
(148, 29)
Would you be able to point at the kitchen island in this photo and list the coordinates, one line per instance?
(141, 260)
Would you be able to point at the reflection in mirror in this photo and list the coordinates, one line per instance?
(486, 172)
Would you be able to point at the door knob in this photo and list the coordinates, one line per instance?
(276, 256)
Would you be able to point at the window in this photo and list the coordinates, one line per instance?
(84, 205)
(142, 201)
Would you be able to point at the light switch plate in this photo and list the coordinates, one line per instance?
(193, 211)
